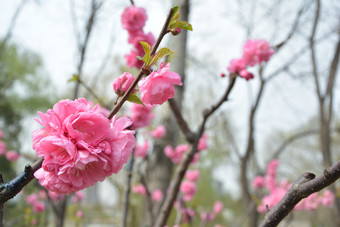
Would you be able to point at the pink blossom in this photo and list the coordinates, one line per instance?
(141, 115)
(158, 87)
(3, 147)
(258, 182)
(39, 207)
(139, 189)
(202, 143)
(79, 214)
(159, 132)
(192, 175)
(189, 189)
(236, 65)
(256, 52)
(122, 83)
(78, 197)
(142, 150)
(196, 158)
(188, 214)
(176, 154)
(157, 195)
(42, 194)
(32, 198)
(54, 196)
(207, 217)
(80, 146)
(246, 75)
(34, 221)
(132, 60)
(12, 156)
(218, 207)
(133, 18)
(141, 37)
(327, 199)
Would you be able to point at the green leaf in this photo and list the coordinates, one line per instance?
(134, 98)
(184, 25)
(160, 54)
(147, 50)
(139, 57)
(74, 77)
(175, 16)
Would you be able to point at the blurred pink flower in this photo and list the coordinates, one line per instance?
(122, 83)
(256, 52)
(12, 156)
(218, 207)
(139, 189)
(54, 196)
(142, 150)
(189, 189)
(159, 132)
(141, 116)
(207, 217)
(132, 60)
(32, 198)
(78, 197)
(246, 75)
(34, 221)
(79, 214)
(236, 65)
(258, 182)
(3, 147)
(176, 154)
(192, 175)
(39, 207)
(80, 146)
(202, 143)
(133, 18)
(158, 87)
(157, 195)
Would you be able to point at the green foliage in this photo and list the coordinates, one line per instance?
(147, 50)
(175, 23)
(134, 98)
(160, 54)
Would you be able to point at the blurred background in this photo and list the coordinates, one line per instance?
(289, 112)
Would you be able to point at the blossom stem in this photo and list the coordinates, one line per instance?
(144, 69)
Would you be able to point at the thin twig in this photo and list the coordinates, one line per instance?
(1, 206)
(127, 190)
(188, 156)
(148, 199)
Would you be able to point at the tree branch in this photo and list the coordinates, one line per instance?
(10, 189)
(305, 185)
(128, 189)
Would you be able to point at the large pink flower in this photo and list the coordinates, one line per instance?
(158, 87)
(134, 18)
(80, 146)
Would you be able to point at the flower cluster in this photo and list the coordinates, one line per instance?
(254, 52)
(133, 20)
(176, 154)
(141, 116)
(36, 202)
(80, 146)
(278, 189)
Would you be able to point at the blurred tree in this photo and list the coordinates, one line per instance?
(23, 90)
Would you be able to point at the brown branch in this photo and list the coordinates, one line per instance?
(10, 189)
(128, 189)
(144, 70)
(181, 122)
(188, 156)
(305, 185)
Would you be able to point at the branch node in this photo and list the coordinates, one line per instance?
(28, 168)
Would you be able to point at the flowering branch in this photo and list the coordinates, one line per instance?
(304, 186)
(183, 166)
(144, 70)
(10, 189)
